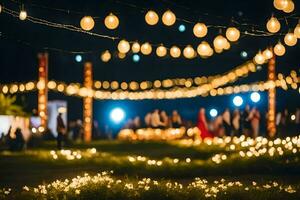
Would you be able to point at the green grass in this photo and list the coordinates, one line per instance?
(180, 161)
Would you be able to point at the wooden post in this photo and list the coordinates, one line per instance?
(271, 121)
(88, 102)
(43, 89)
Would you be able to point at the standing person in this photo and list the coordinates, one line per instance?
(61, 130)
(176, 119)
(227, 122)
(218, 128)
(164, 119)
(155, 119)
(147, 120)
(254, 118)
(236, 122)
(246, 125)
(19, 140)
(202, 125)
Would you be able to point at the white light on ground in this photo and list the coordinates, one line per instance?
(213, 112)
(238, 101)
(78, 58)
(117, 115)
(255, 97)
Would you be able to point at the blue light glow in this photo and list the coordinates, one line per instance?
(244, 54)
(238, 101)
(255, 97)
(136, 58)
(117, 115)
(78, 58)
(213, 112)
(181, 28)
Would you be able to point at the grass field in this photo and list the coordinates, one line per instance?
(237, 168)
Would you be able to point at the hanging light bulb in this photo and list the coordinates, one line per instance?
(168, 18)
(105, 56)
(111, 21)
(268, 54)
(280, 4)
(297, 31)
(189, 52)
(273, 25)
(87, 23)
(290, 39)
(135, 47)
(161, 51)
(200, 30)
(227, 45)
(204, 49)
(279, 49)
(219, 42)
(175, 52)
(146, 48)
(123, 46)
(259, 58)
(290, 7)
(151, 17)
(121, 55)
(23, 15)
(232, 34)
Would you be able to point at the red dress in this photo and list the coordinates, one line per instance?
(202, 125)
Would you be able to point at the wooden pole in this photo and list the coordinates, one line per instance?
(271, 124)
(43, 89)
(88, 102)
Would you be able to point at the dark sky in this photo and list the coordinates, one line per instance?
(18, 60)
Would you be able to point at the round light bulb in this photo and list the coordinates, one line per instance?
(297, 31)
(169, 18)
(273, 25)
(87, 23)
(219, 42)
(259, 58)
(204, 49)
(280, 4)
(105, 56)
(175, 52)
(111, 21)
(135, 47)
(123, 46)
(232, 34)
(23, 15)
(200, 30)
(146, 48)
(290, 7)
(279, 49)
(268, 54)
(161, 51)
(189, 52)
(151, 18)
(290, 39)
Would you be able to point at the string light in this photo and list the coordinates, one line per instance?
(204, 49)
(279, 49)
(105, 56)
(297, 31)
(273, 25)
(189, 52)
(123, 46)
(151, 18)
(168, 18)
(0, 8)
(23, 15)
(290, 39)
(259, 58)
(135, 47)
(290, 7)
(232, 34)
(200, 30)
(219, 42)
(146, 48)
(280, 4)
(87, 23)
(268, 54)
(111, 21)
(175, 52)
(161, 51)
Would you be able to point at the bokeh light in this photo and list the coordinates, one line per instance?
(238, 101)
(117, 115)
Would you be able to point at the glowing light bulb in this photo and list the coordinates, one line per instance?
(232, 34)
(169, 18)
(23, 15)
(200, 30)
(151, 18)
(123, 46)
(273, 25)
(111, 21)
(87, 23)
(290, 39)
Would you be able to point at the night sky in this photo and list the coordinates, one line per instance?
(20, 42)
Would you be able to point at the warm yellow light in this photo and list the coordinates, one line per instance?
(175, 52)
(297, 31)
(273, 25)
(220, 42)
(268, 54)
(135, 47)
(0, 8)
(168, 18)
(227, 45)
(189, 52)
(232, 34)
(161, 51)
(23, 15)
(280, 4)
(279, 49)
(259, 58)
(290, 39)
(146, 48)
(121, 55)
(204, 49)
(105, 56)
(87, 23)
(200, 30)
(290, 7)
(151, 18)
(123, 46)
(111, 21)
